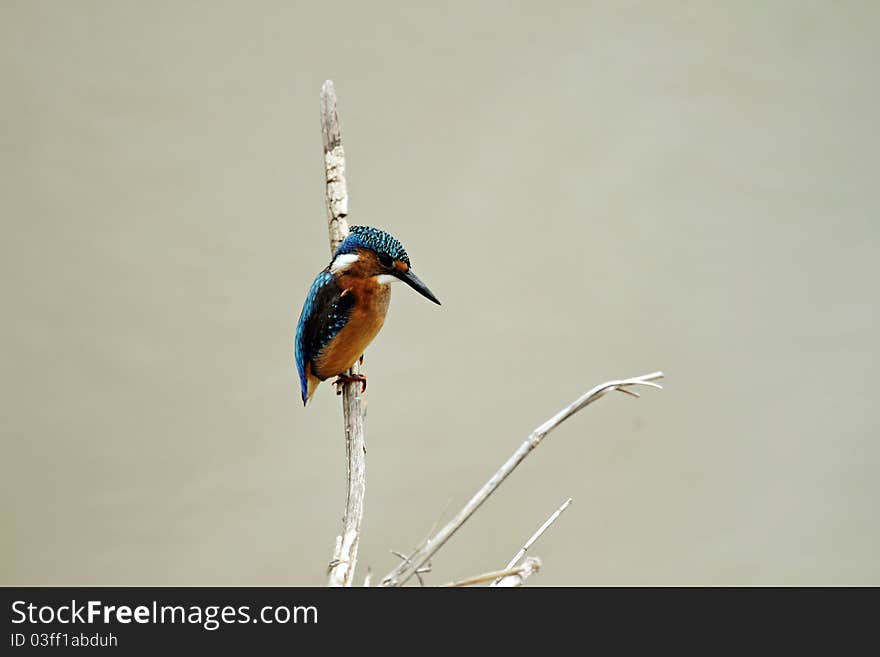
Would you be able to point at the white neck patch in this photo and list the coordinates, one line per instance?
(342, 262)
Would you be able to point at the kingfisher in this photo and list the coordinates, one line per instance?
(346, 306)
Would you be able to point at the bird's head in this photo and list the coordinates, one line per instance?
(370, 252)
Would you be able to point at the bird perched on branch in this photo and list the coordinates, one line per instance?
(346, 306)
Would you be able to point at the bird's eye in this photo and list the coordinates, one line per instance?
(385, 260)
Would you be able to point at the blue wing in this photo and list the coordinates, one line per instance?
(324, 313)
(302, 347)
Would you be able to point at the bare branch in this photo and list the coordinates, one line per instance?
(407, 568)
(529, 566)
(534, 537)
(345, 556)
(336, 194)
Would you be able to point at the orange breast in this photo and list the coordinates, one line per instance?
(364, 323)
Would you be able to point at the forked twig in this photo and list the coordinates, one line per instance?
(407, 568)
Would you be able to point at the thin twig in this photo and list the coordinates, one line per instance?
(407, 568)
(529, 566)
(345, 556)
(534, 537)
(418, 572)
(421, 571)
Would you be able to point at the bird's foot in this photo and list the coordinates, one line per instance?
(342, 379)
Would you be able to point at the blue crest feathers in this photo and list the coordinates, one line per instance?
(374, 239)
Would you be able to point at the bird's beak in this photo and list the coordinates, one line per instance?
(416, 283)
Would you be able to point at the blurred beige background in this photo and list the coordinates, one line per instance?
(593, 190)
